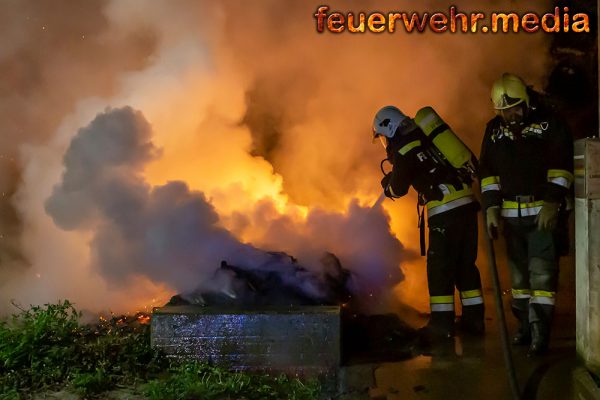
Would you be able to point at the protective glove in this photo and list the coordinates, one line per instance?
(546, 219)
(385, 184)
(492, 219)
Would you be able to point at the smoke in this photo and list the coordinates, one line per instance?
(360, 237)
(248, 105)
(170, 235)
(50, 60)
(318, 92)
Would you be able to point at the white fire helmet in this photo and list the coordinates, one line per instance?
(386, 122)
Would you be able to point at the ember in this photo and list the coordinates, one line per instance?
(144, 318)
(133, 322)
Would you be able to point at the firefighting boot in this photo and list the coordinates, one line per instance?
(539, 339)
(521, 311)
(540, 317)
(471, 321)
(440, 327)
(435, 338)
(523, 335)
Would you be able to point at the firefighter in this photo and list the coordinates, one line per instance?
(525, 172)
(451, 213)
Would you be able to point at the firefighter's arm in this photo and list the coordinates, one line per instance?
(396, 183)
(412, 166)
(403, 157)
(491, 195)
(559, 173)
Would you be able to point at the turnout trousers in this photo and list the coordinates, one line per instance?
(533, 261)
(451, 263)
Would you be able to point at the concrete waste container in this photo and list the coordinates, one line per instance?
(303, 341)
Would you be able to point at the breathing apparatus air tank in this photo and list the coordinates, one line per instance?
(441, 136)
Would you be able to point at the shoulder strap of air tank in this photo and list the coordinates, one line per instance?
(421, 226)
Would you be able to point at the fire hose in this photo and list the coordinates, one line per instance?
(382, 196)
(506, 350)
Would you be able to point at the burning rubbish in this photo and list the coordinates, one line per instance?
(284, 283)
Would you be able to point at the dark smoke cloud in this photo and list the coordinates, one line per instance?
(172, 235)
(167, 233)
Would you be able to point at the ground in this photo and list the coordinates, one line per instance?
(474, 368)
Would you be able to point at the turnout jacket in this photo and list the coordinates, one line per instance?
(414, 163)
(518, 172)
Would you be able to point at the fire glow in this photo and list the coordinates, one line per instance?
(256, 137)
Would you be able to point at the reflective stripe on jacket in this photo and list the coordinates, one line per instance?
(452, 199)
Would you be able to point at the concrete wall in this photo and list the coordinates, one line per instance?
(587, 248)
(301, 341)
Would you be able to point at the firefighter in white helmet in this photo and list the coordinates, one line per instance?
(445, 190)
(525, 171)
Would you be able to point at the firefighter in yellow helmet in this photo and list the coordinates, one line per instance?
(451, 210)
(525, 172)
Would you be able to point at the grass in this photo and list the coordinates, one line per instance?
(47, 349)
(200, 381)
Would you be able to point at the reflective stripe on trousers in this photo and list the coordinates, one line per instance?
(441, 303)
(534, 296)
(542, 297)
(471, 297)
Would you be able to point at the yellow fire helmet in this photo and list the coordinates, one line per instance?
(508, 91)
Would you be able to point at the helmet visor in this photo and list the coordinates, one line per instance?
(375, 135)
(507, 102)
(382, 138)
(384, 141)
